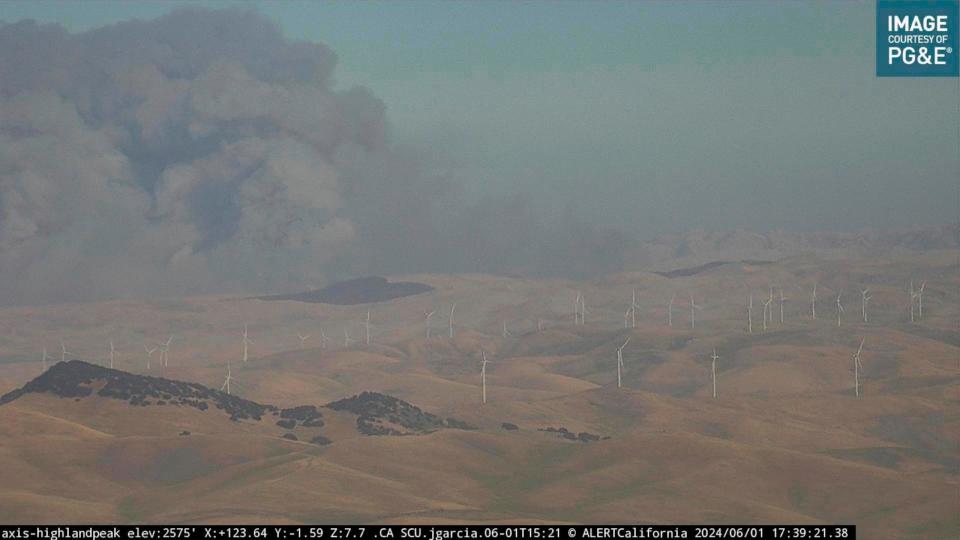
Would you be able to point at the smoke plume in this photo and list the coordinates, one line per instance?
(202, 151)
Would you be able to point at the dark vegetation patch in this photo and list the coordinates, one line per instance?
(509, 427)
(307, 415)
(184, 433)
(357, 291)
(290, 437)
(377, 414)
(76, 378)
(564, 433)
(321, 440)
(376, 410)
(459, 424)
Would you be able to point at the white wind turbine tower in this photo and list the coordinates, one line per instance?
(483, 376)
(864, 299)
(450, 322)
(112, 351)
(620, 362)
(323, 339)
(856, 369)
(750, 314)
(583, 309)
(149, 354)
(913, 298)
(63, 352)
(303, 339)
(813, 301)
(506, 333)
(226, 382)
(633, 309)
(713, 369)
(920, 299)
(576, 310)
(165, 351)
(428, 315)
(839, 308)
(766, 309)
(782, 300)
(770, 311)
(246, 342)
(626, 318)
(367, 327)
(693, 316)
(347, 340)
(670, 310)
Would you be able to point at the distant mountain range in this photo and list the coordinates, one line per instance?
(700, 247)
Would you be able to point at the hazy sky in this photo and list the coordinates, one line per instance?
(649, 116)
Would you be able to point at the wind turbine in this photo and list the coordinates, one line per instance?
(245, 342)
(913, 297)
(693, 308)
(428, 314)
(63, 352)
(226, 382)
(633, 309)
(770, 311)
(483, 376)
(839, 308)
(766, 309)
(750, 314)
(165, 351)
(506, 333)
(583, 309)
(626, 318)
(620, 361)
(670, 310)
(367, 327)
(450, 324)
(149, 354)
(576, 310)
(782, 300)
(864, 299)
(920, 298)
(856, 368)
(112, 351)
(346, 338)
(323, 339)
(713, 369)
(813, 301)
(303, 339)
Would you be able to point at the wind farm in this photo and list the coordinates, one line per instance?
(313, 263)
(782, 396)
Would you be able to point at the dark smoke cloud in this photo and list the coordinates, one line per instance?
(203, 152)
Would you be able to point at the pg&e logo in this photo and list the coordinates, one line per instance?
(917, 38)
